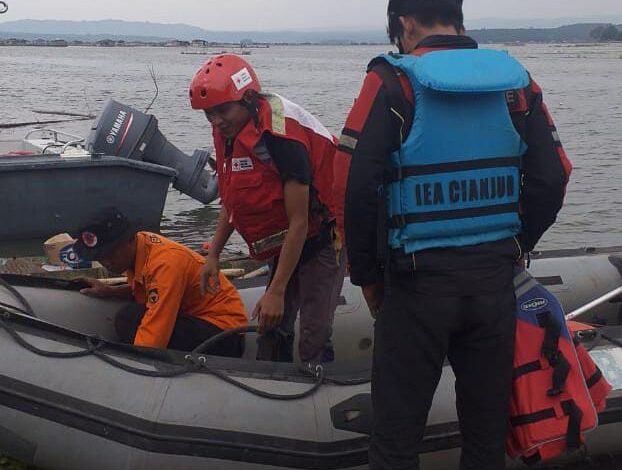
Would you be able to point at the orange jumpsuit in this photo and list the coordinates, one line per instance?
(166, 279)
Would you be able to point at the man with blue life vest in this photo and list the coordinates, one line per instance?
(455, 172)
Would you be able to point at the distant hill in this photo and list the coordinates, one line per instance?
(540, 23)
(132, 30)
(153, 32)
(571, 33)
(103, 28)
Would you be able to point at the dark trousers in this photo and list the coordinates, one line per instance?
(189, 332)
(414, 333)
(313, 290)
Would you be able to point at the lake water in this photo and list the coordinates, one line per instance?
(583, 89)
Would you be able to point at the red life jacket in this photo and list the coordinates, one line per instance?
(599, 387)
(250, 186)
(557, 388)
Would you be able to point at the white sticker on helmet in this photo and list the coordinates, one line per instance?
(242, 79)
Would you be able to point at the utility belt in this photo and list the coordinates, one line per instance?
(325, 237)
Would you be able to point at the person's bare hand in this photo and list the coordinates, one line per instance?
(96, 288)
(373, 296)
(269, 310)
(210, 283)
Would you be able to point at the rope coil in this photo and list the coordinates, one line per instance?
(4, 7)
(193, 362)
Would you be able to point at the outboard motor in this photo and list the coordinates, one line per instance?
(125, 132)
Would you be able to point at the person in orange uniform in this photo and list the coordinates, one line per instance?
(166, 277)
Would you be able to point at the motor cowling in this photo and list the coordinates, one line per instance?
(125, 132)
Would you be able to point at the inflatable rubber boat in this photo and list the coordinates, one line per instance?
(71, 397)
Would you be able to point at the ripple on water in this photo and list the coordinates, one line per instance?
(582, 90)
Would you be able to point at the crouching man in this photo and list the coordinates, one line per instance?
(164, 276)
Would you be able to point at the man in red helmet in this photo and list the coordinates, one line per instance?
(275, 174)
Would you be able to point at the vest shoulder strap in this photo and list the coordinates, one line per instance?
(396, 98)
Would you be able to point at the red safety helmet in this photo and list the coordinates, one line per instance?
(222, 79)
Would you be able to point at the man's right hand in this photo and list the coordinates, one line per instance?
(96, 288)
(210, 283)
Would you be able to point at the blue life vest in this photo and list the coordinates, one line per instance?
(456, 179)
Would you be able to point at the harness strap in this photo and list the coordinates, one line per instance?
(561, 369)
(595, 378)
(532, 418)
(526, 369)
(570, 409)
(398, 174)
(400, 221)
(395, 95)
(550, 350)
(575, 415)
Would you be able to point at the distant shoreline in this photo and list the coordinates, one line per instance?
(584, 33)
(246, 50)
(171, 44)
(135, 33)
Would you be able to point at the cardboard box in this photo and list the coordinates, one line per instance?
(53, 246)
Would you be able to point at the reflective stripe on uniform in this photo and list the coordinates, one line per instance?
(278, 114)
(348, 142)
(269, 243)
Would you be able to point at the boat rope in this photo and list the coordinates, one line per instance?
(315, 369)
(4, 7)
(208, 343)
(40, 352)
(20, 298)
(193, 362)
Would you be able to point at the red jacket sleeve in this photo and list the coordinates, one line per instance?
(546, 167)
(370, 135)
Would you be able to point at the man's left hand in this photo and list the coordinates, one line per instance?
(269, 310)
(374, 296)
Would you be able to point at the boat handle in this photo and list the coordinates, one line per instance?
(55, 133)
(73, 143)
(594, 303)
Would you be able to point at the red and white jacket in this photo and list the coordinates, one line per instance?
(250, 186)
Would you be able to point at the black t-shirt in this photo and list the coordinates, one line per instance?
(291, 158)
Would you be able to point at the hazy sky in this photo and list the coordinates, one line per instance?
(292, 14)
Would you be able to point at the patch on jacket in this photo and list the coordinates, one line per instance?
(154, 239)
(242, 164)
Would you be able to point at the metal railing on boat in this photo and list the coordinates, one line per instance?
(595, 303)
